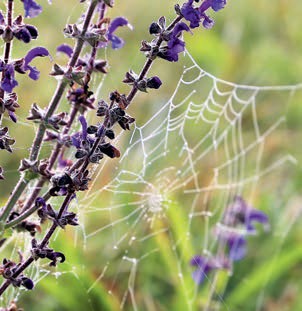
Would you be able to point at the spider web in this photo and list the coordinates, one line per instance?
(179, 170)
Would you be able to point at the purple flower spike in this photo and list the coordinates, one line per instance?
(34, 73)
(84, 127)
(116, 41)
(205, 266)
(65, 48)
(32, 9)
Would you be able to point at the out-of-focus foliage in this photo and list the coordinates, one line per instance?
(253, 42)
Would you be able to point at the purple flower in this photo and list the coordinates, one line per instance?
(8, 82)
(239, 212)
(175, 45)
(191, 14)
(32, 9)
(116, 41)
(196, 15)
(34, 73)
(206, 265)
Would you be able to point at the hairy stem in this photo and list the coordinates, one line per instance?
(149, 63)
(44, 242)
(37, 144)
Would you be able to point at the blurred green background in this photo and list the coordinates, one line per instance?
(253, 43)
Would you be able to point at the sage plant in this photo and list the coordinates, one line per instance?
(62, 175)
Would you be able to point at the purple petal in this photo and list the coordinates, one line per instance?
(32, 9)
(205, 265)
(84, 126)
(33, 53)
(2, 20)
(9, 83)
(76, 140)
(205, 5)
(190, 14)
(117, 42)
(255, 215)
(180, 27)
(197, 261)
(117, 22)
(218, 4)
(65, 48)
(198, 276)
(40, 202)
(12, 116)
(237, 246)
(207, 23)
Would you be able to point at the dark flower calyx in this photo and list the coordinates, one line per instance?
(150, 49)
(120, 99)
(5, 140)
(24, 32)
(45, 252)
(109, 150)
(92, 129)
(45, 212)
(154, 29)
(8, 269)
(103, 108)
(81, 97)
(69, 218)
(36, 167)
(117, 114)
(132, 78)
(56, 120)
(36, 113)
(65, 183)
(110, 134)
(26, 164)
(93, 35)
(10, 103)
